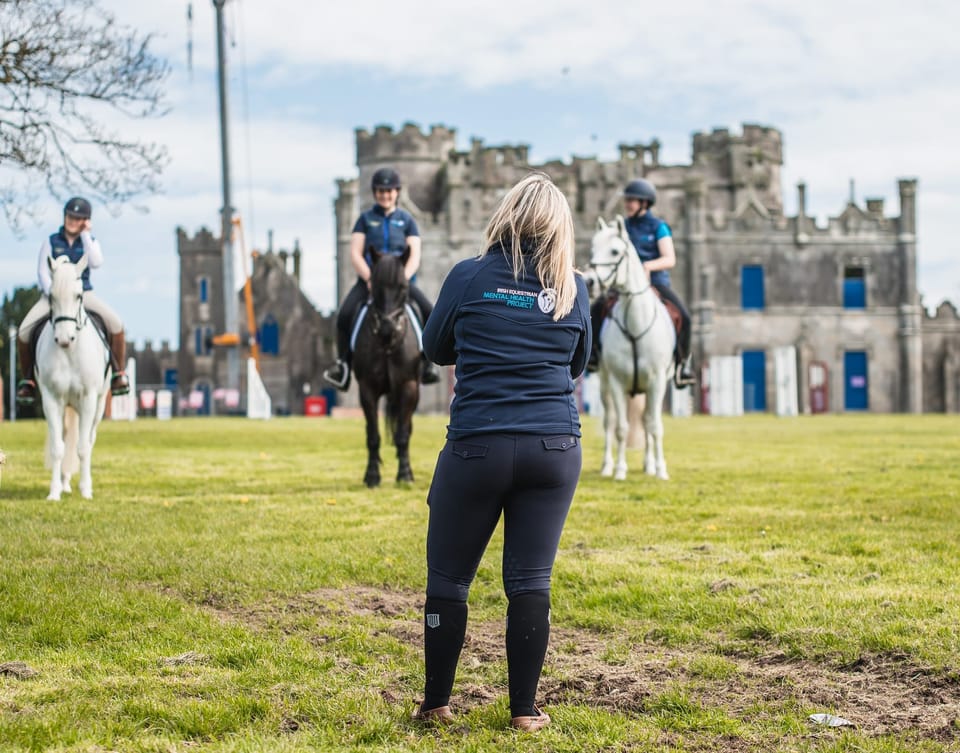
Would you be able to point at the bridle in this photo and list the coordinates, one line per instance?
(79, 320)
(396, 319)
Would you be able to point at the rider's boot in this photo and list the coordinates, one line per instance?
(119, 384)
(27, 388)
(339, 375)
(429, 373)
(684, 375)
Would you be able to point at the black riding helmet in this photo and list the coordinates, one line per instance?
(385, 177)
(641, 189)
(78, 207)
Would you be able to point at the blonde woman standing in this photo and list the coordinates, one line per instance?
(516, 323)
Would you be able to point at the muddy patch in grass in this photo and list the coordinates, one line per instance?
(880, 694)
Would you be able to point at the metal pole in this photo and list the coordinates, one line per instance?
(230, 319)
(12, 341)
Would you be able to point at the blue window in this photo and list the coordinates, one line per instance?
(198, 341)
(854, 288)
(855, 396)
(751, 287)
(204, 289)
(754, 380)
(270, 336)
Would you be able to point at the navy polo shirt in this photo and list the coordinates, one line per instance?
(59, 246)
(386, 233)
(644, 231)
(515, 365)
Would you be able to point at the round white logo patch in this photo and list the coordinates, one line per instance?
(547, 300)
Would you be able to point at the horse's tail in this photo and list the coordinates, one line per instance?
(71, 433)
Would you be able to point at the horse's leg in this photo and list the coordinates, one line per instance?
(409, 397)
(609, 415)
(53, 410)
(71, 462)
(621, 400)
(654, 462)
(85, 437)
(368, 402)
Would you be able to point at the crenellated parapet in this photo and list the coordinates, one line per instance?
(204, 242)
(409, 143)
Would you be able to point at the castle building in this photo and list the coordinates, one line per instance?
(296, 342)
(844, 295)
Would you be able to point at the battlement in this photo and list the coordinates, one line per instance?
(204, 242)
(409, 143)
(764, 140)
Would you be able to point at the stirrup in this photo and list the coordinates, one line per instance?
(429, 374)
(119, 385)
(26, 392)
(683, 378)
(338, 375)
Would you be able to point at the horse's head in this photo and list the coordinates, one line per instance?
(66, 298)
(613, 257)
(389, 289)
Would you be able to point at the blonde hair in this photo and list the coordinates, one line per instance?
(535, 214)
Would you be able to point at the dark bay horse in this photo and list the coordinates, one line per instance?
(386, 361)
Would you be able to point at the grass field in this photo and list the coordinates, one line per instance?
(234, 587)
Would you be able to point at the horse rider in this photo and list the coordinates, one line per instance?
(390, 230)
(74, 240)
(653, 239)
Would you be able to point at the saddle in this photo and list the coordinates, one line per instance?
(413, 314)
(672, 311)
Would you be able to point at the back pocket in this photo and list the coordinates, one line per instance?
(469, 451)
(562, 443)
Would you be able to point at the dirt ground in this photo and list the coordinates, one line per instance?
(879, 694)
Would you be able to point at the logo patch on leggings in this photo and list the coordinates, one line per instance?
(433, 620)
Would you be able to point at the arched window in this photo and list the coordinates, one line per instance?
(270, 336)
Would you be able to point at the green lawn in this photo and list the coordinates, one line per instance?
(234, 587)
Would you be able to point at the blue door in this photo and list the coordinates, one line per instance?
(754, 380)
(855, 380)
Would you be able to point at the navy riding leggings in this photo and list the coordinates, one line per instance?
(529, 478)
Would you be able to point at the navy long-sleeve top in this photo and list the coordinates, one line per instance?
(515, 365)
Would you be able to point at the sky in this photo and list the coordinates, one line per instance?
(866, 91)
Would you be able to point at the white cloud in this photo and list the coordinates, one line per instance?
(862, 90)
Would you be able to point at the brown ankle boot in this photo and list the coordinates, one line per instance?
(119, 384)
(27, 388)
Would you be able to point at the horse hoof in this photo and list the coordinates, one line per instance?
(86, 493)
(405, 478)
(621, 476)
(372, 482)
(53, 497)
(606, 472)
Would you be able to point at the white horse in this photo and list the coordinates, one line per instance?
(637, 343)
(73, 374)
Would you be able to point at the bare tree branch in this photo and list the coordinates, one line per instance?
(66, 69)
